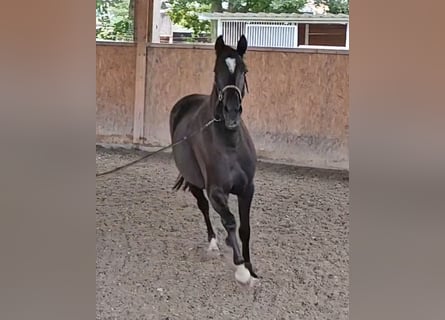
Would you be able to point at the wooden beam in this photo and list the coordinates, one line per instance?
(142, 19)
(156, 24)
(296, 36)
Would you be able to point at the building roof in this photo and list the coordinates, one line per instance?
(297, 17)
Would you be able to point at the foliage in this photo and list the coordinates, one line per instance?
(185, 12)
(287, 6)
(335, 6)
(116, 20)
(268, 6)
(116, 16)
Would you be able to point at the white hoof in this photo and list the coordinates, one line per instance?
(213, 246)
(242, 275)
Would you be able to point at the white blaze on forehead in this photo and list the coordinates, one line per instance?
(231, 64)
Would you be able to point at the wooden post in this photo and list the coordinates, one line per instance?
(306, 34)
(296, 36)
(142, 36)
(156, 25)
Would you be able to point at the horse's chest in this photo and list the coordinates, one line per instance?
(237, 175)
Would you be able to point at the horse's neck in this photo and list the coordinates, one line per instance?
(225, 137)
(214, 98)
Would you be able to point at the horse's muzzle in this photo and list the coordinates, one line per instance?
(232, 124)
(232, 118)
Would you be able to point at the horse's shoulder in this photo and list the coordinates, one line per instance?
(192, 98)
(185, 107)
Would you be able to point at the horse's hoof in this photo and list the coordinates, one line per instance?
(249, 267)
(242, 275)
(254, 275)
(254, 282)
(213, 245)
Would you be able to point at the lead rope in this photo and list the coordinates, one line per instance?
(157, 151)
(220, 97)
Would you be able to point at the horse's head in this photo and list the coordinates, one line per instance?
(230, 82)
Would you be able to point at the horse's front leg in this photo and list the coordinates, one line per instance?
(219, 200)
(244, 203)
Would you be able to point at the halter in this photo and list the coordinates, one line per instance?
(230, 86)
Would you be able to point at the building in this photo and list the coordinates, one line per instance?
(299, 30)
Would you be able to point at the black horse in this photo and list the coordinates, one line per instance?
(221, 159)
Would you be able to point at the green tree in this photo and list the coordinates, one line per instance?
(268, 6)
(116, 18)
(335, 6)
(185, 13)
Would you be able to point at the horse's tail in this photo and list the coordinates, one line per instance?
(179, 181)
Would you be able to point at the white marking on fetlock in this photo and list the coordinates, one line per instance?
(213, 245)
(231, 64)
(242, 274)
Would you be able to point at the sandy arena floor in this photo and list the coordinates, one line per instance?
(151, 246)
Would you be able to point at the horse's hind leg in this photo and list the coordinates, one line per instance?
(203, 205)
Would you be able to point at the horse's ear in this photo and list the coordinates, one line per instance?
(219, 44)
(242, 45)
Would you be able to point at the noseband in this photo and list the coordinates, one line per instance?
(230, 86)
